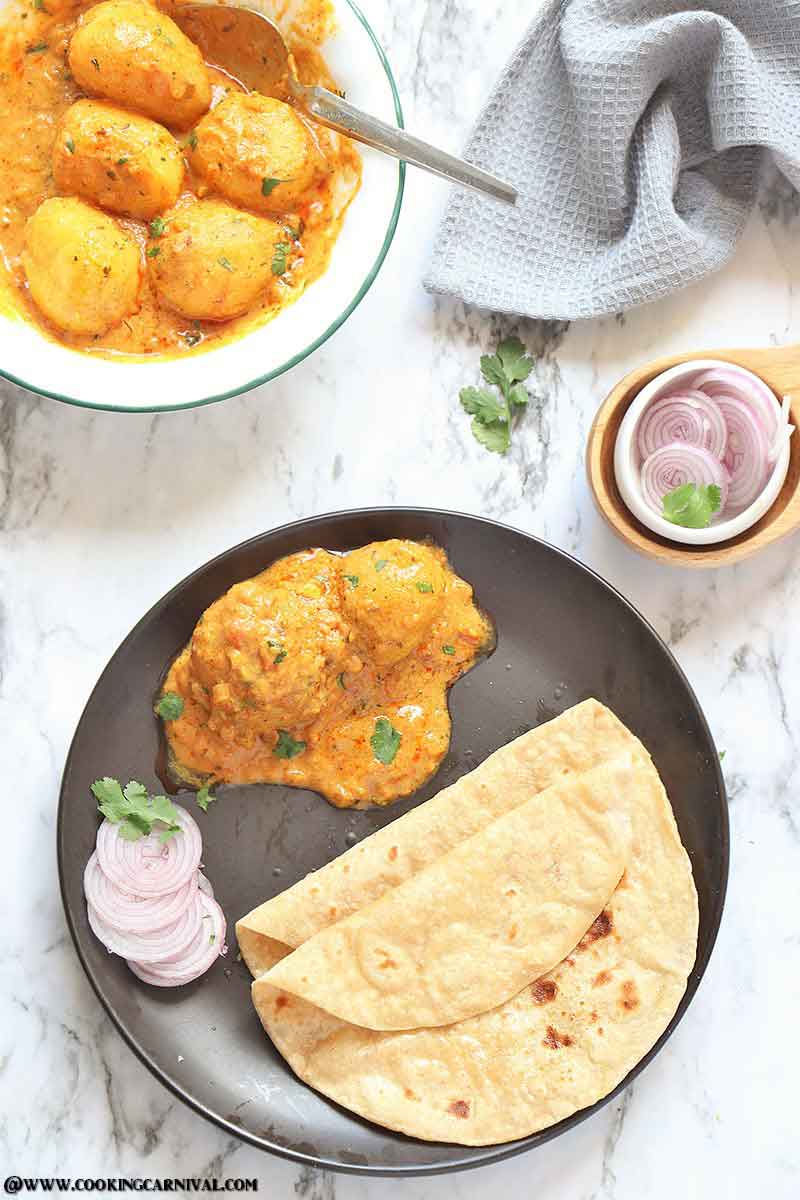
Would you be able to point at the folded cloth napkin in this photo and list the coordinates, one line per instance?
(634, 131)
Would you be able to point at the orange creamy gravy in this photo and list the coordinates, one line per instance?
(320, 646)
(36, 88)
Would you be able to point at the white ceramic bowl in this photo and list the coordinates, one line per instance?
(626, 465)
(31, 360)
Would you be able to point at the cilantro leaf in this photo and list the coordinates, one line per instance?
(482, 404)
(518, 396)
(69, 143)
(448, 649)
(286, 746)
(692, 506)
(491, 412)
(133, 810)
(381, 563)
(204, 797)
(225, 263)
(279, 257)
(495, 435)
(157, 225)
(169, 706)
(352, 580)
(385, 741)
(516, 363)
(340, 681)
(424, 586)
(153, 251)
(492, 370)
(110, 799)
(268, 185)
(192, 140)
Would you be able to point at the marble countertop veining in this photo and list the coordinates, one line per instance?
(101, 514)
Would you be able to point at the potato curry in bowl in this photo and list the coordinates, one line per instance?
(152, 209)
(327, 672)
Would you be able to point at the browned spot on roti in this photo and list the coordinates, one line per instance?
(543, 991)
(393, 854)
(600, 927)
(282, 1002)
(623, 881)
(570, 962)
(629, 997)
(332, 911)
(459, 1108)
(511, 892)
(593, 1016)
(409, 1095)
(601, 978)
(512, 933)
(556, 1040)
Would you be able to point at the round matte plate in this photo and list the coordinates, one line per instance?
(563, 635)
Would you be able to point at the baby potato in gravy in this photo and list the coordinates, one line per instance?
(327, 672)
(149, 205)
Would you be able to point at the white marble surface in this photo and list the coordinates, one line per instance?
(100, 514)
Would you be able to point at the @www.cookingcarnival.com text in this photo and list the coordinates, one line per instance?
(14, 1184)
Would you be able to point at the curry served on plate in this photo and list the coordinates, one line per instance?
(148, 204)
(328, 672)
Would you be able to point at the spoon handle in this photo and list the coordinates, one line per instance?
(337, 113)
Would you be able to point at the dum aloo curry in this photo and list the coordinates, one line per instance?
(148, 204)
(327, 672)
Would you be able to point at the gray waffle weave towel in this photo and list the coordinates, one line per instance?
(634, 131)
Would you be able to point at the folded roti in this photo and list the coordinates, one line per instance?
(581, 738)
(562, 1043)
(468, 932)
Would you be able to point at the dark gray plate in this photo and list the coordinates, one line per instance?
(563, 635)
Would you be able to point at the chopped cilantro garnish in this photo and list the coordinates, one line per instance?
(385, 741)
(133, 810)
(286, 746)
(204, 796)
(424, 586)
(448, 649)
(692, 506)
(352, 580)
(279, 257)
(170, 706)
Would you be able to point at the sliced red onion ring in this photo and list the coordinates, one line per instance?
(149, 867)
(678, 463)
(682, 416)
(747, 455)
(155, 945)
(726, 381)
(205, 885)
(196, 959)
(134, 914)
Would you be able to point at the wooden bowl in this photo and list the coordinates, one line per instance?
(779, 367)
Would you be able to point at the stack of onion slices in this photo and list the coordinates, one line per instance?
(721, 427)
(148, 902)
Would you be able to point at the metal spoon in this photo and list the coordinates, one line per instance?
(250, 47)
